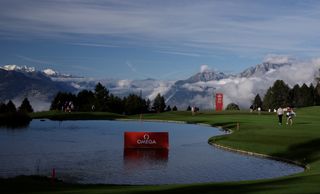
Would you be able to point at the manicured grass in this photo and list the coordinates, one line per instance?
(258, 133)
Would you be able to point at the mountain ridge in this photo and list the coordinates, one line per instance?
(197, 90)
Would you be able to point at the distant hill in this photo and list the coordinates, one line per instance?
(17, 82)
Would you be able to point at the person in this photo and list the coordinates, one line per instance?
(290, 115)
(280, 114)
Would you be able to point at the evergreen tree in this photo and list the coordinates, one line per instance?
(268, 100)
(159, 103)
(25, 106)
(257, 102)
(168, 109)
(62, 100)
(11, 108)
(102, 96)
(116, 104)
(189, 108)
(85, 100)
(317, 95)
(174, 108)
(232, 106)
(295, 96)
(134, 104)
(3, 108)
(277, 95)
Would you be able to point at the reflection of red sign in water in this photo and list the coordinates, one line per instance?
(145, 154)
(219, 101)
(146, 140)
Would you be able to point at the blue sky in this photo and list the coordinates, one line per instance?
(138, 39)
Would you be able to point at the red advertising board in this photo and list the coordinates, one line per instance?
(219, 101)
(146, 140)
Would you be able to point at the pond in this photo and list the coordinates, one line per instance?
(93, 152)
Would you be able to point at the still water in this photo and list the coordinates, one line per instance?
(93, 152)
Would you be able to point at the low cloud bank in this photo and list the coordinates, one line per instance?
(242, 90)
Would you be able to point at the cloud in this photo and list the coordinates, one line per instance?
(204, 68)
(246, 27)
(277, 59)
(242, 90)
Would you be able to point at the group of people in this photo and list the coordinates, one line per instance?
(289, 114)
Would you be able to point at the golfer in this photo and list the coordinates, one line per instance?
(280, 114)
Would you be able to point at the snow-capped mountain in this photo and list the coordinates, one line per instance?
(17, 82)
(240, 88)
(262, 69)
(18, 68)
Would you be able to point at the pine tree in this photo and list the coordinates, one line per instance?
(11, 107)
(102, 96)
(276, 96)
(317, 95)
(3, 108)
(232, 106)
(257, 102)
(174, 108)
(25, 106)
(85, 100)
(159, 103)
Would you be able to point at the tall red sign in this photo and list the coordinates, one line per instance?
(146, 140)
(219, 101)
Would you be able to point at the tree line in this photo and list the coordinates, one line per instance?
(10, 107)
(12, 117)
(102, 100)
(281, 95)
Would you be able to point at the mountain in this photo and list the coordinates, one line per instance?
(204, 76)
(193, 91)
(262, 69)
(17, 83)
(199, 90)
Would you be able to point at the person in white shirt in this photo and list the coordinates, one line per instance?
(280, 114)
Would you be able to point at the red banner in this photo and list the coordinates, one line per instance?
(146, 140)
(219, 101)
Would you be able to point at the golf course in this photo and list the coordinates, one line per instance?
(252, 132)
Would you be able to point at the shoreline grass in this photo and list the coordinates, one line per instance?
(258, 133)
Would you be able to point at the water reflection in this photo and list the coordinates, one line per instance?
(14, 120)
(135, 158)
(92, 152)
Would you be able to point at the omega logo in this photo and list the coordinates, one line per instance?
(146, 140)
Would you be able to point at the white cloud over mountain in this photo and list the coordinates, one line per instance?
(198, 90)
(242, 90)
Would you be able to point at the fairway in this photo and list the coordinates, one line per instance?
(259, 133)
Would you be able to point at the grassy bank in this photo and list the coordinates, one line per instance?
(258, 133)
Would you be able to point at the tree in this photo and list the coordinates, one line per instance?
(62, 100)
(3, 108)
(11, 108)
(174, 108)
(276, 96)
(232, 106)
(159, 103)
(116, 104)
(102, 96)
(317, 95)
(25, 106)
(168, 109)
(85, 100)
(189, 108)
(257, 102)
(307, 95)
(134, 104)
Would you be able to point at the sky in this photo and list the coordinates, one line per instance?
(166, 40)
